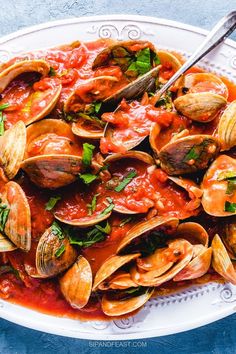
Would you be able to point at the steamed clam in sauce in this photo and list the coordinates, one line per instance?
(107, 196)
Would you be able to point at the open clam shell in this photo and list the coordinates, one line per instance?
(201, 107)
(5, 244)
(218, 187)
(12, 149)
(226, 130)
(158, 223)
(193, 232)
(230, 238)
(52, 171)
(188, 154)
(170, 64)
(15, 212)
(82, 223)
(182, 252)
(205, 82)
(76, 283)
(11, 72)
(197, 267)
(110, 266)
(54, 253)
(113, 307)
(120, 281)
(221, 261)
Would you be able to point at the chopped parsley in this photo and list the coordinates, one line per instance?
(142, 62)
(87, 178)
(230, 207)
(97, 106)
(52, 202)
(57, 230)
(108, 209)
(97, 234)
(60, 251)
(191, 155)
(4, 212)
(134, 290)
(125, 221)
(125, 181)
(165, 101)
(92, 207)
(2, 118)
(230, 177)
(87, 154)
(4, 106)
(52, 71)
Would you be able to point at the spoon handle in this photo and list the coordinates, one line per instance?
(219, 32)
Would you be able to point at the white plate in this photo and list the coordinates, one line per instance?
(184, 310)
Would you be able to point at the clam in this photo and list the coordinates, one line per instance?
(76, 283)
(54, 252)
(12, 149)
(119, 281)
(5, 244)
(147, 228)
(201, 107)
(11, 72)
(179, 253)
(118, 307)
(230, 238)
(218, 187)
(15, 215)
(109, 267)
(198, 266)
(188, 154)
(170, 64)
(221, 261)
(205, 82)
(193, 232)
(226, 130)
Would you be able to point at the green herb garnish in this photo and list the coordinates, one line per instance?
(125, 221)
(88, 178)
(125, 181)
(52, 71)
(9, 269)
(191, 155)
(92, 207)
(4, 106)
(60, 251)
(97, 234)
(4, 212)
(230, 177)
(141, 63)
(230, 207)
(51, 203)
(87, 154)
(57, 230)
(108, 209)
(97, 106)
(134, 290)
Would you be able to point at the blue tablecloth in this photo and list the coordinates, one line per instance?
(219, 337)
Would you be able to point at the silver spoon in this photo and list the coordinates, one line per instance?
(136, 88)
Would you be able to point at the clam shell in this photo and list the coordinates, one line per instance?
(188, 154)
(201, 107)
(121, 307)
(214, 190)
(76, 283)
(193, 232)
(83, 224)
(11, 72)
(111, 265)
(226, 131)
(5, 244)
(119, 281)
(47, 263)
(52, 171)
(230, 239)
(197, 267)
(12, 149)
(221, 261)
(87, 132)
(18, 224)
(154, 278)
(147, 226)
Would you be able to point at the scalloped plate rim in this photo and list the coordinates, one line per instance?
(12, 312)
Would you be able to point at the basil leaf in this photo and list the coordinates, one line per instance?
(191, 155)
(60, 251)
(4, 106)
(51, 203)
(4, 212)
(107, 210)
(156, 59)
(126, 181)
(88, 178)
(57, 230)
(97, 234)
(92, 207)
(133, 290)
(125, 221)
(2, 119)
(87, 154)
(143, 62)
(97, 106)
(52, 71)
(231, 186)
(230, 207)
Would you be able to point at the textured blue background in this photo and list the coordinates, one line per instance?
(216, 338)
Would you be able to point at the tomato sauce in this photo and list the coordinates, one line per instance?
(27, 95)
